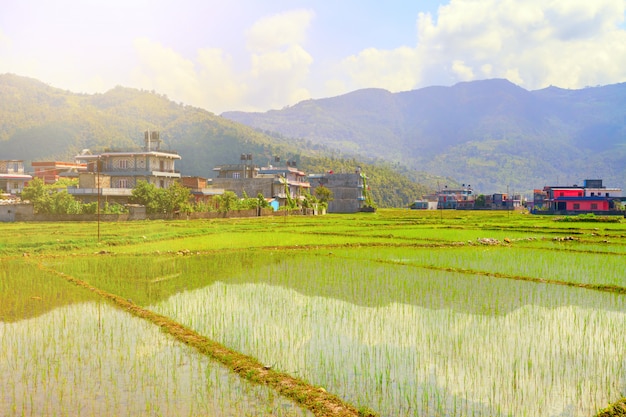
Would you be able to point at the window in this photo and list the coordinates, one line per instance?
(123, 183)
(594, 206)
(123, 164)
(576, 206)
(236, 175)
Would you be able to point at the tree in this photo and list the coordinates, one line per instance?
(480, 201)
(162, 200)
(309, 201)
(148, 195)
(261, 201)
(227, 202)
(63, 203)
(47, 198)
(324, 194)
(177, 198)
(37, 193)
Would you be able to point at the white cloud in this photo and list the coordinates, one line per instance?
(462, 71)
(208, 81)
(284, 29)
(272, 62)
(278, 71)
(279, 76)
(280, 65)
(166, 71)
(569, 43)
(395, 70)
(222, 87)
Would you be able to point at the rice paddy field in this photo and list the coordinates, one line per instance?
(393, 313)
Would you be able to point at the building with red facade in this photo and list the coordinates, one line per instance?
(591, 197)
(51, 172)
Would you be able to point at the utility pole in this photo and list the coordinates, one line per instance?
(98, 187)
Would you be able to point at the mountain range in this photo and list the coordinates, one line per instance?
(41, 123)
(491, 134)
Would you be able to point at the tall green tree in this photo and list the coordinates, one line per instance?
(177, 198)
(227, 202)
(148, 195)
(324, 194)
(50, 199)
(38, 194)
(63, 203)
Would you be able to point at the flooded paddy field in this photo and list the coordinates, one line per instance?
(396, 313)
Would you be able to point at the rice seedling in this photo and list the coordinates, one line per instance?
(542, 355)
(93, 359)
(575, 267)
(402, 312)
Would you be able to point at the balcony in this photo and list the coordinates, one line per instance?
(103, 191)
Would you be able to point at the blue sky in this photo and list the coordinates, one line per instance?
(258, 55)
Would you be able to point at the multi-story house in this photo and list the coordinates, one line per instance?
(349, 190)
(113, 174)
(453, 198)
(281, 182)
(12, 176)
(591, 197)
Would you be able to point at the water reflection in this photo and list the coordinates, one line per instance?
(93, 359)
(407, 344)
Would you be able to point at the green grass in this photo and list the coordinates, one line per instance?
(353, 303)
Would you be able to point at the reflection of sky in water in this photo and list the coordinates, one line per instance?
(93, 359)
(403, 359)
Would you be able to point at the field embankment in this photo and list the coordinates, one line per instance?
(397, 313)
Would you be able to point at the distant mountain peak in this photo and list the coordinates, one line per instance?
(471, 130)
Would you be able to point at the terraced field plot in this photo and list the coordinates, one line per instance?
(400, 313)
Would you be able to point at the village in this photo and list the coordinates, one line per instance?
(110, 177)
(590, 197)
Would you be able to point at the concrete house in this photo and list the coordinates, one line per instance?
(12, 177)
(278, 181)
(591, 197)
(453, 198)
(349, 190)
(114, 174)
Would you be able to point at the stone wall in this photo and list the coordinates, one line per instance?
(24, 213)
(15, 212)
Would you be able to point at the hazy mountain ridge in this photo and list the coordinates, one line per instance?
(39, 122)
(492, 134)
(43, 122)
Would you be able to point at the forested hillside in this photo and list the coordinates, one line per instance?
(40, 122)
(491, 134)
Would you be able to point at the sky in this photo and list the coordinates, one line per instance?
(254, 55)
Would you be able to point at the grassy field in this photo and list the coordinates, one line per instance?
(394, 313)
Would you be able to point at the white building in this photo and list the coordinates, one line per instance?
(12, 176)
(115, 173)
